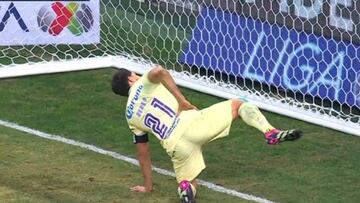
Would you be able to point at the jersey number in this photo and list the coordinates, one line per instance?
(154, 123)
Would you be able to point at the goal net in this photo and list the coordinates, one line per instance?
(299, 58)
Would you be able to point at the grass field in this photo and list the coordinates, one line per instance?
(321, 167)
(37, 170)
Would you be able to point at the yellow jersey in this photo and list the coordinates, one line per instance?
(151, 108)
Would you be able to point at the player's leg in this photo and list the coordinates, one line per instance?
(209, 124)
(188, 163)
(252, 116)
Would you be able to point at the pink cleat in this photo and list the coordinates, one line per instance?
(186, 192)
(276, 136)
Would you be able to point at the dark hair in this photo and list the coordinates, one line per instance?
(120, 84)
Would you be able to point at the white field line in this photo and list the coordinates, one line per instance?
(115, 155)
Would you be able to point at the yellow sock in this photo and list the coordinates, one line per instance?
(252, 116)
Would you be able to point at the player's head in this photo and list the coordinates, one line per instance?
(120, 82)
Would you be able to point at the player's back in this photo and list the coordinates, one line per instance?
(151, 108)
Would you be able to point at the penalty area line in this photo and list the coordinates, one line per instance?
(118, 156)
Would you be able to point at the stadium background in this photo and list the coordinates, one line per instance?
(321, 167)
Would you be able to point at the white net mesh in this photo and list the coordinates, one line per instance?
(301, 57)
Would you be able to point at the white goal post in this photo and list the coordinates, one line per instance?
(297, 58)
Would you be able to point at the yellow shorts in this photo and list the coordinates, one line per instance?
(206, 125)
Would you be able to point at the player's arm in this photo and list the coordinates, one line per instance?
(143, 153)
(161, 75)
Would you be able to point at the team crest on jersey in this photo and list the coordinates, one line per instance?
(131, 106)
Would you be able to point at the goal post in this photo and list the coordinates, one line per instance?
(296, 58)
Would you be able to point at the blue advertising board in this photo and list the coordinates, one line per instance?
(275, 55)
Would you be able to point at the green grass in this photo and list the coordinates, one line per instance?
(38, 170)
(321, 167)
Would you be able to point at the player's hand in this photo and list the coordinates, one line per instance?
(139, 188)
(186, 105)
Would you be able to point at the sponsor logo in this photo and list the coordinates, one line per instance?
(12, 11)
(177, 6)
(187, 4)
(275, 55)
(130, 108)
(77, 18)
(337, 19)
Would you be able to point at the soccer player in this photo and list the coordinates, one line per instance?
(156, 105)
